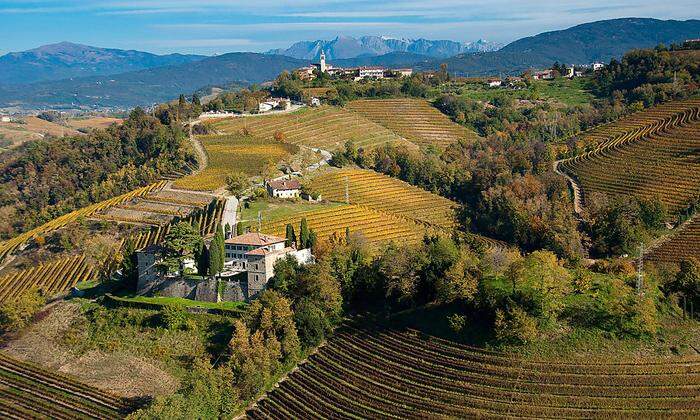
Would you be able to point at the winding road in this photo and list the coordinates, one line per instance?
(578, 205)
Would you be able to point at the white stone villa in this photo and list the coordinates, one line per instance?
(356, 73)
(256, 254)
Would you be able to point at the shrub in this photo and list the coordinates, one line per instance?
(515, 326)
(18, 313)
(175, 317)
(456, 322)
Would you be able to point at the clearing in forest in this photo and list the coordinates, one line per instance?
(414, 119)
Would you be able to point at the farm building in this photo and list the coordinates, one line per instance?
(543, 75)
(494, 82)
(283, 188)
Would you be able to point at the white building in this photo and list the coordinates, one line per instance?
(403, 72)
(284, 188)
(371, 72)
(597, 66)
(495, 82)
(543, 75)
(5, 118)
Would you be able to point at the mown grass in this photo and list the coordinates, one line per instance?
(271, 209)
(231, 153)
(176, 301)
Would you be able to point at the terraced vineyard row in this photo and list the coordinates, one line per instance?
(61, 274)
(375, 226)
(52, 277)
(663, 164)
(10, 245)
(414, 119)
(386, 194)
(326, 128)
(639, 124)
(682, 245)
(399, 374)
(28, 392)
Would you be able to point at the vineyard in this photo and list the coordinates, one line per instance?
(28, 392)
(385, 194)
(375, 226)
(638, 124)
(681, 245)
(10, 245)
(414, 119)
(326, 128)
(64, 273)
(230, 153)
(660, 160)
(400, 374)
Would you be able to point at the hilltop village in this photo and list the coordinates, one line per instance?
(365, 242)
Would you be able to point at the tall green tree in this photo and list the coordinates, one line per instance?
(239, 228)
(291, 237)
(181, 243)
(202, 260)
(217, 252)
(304, 234)
(129, 264)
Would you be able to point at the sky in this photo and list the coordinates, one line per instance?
(214, 27)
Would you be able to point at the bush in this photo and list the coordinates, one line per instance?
(18, 313)
(457, 322)
(175, 317)
(515, 326)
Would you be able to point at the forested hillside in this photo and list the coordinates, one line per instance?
(50, 177)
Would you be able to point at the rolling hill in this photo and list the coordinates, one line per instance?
(581, 44)
(65, 60)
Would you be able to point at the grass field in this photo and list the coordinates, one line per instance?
(231, 153)
(157, 300)
(92, 122)
(327, 128)
(565, 91)
(386, 194)
(271, 209)
(414, 119)
(12, 134)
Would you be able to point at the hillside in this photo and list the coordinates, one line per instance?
(402, 374)
(581, 44)
(651, 154)
(67, 60)
(327, 127)
(145, 87)
(414, 119)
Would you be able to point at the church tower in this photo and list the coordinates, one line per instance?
(323, 62)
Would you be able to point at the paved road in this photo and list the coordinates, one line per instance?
(230, 215)
(574, 186)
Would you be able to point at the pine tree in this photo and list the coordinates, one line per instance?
(304, 234)
(195, 100)
(291, 238)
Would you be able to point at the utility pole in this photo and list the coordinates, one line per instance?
(347, 191)
(640, 270)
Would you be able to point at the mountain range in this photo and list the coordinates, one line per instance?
(96, 80)
(65, 60)
(343, 47)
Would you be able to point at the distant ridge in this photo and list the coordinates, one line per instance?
(345, 47)
(65, 60)
(581, 44)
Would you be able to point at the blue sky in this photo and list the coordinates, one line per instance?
(210, 27)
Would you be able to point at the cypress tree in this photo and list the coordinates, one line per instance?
(130, 264)
(202, 259)
(227, 229)
(304, 234)
(291, 237)
(312, 239)
(347, 234)
(239, 228)
(213, 256)
(220, 249)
